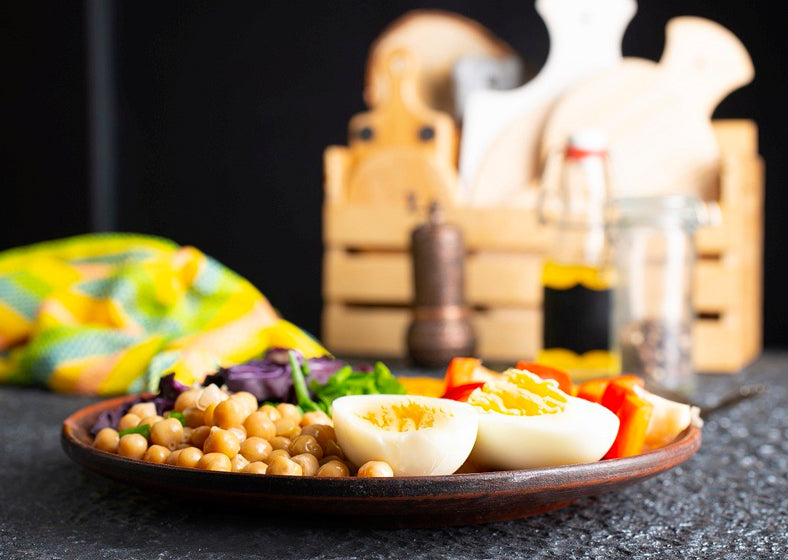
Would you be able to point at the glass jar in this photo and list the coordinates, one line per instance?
(654, 248)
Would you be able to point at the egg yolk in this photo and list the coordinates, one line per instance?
(520, 393)
(404, 417)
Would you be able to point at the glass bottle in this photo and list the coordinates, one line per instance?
(653, 309)
(577, 276)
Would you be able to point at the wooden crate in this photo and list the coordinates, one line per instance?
(367, 277)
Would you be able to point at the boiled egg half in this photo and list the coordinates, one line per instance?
(417, 436)
(527, 422)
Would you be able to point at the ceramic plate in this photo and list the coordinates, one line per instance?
(458, 499)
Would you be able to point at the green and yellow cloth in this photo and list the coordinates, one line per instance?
(111, 313)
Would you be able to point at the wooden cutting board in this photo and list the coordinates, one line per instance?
(501, 134)
(658, 116)
(400, 152)
(438, 40)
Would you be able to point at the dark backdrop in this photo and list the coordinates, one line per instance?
(224, 109)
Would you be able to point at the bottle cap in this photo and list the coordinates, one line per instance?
(590, 141)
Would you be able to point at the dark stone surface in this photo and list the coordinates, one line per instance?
(729, 501)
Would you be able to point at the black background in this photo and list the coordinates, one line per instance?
(224, 109)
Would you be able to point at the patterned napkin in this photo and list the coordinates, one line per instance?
(111, 313)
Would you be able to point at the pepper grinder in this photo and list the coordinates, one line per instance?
(440, 329)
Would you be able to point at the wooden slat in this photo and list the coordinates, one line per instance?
(504, 279)
(389, 227)
(503, 336)
(491, 279)
(508, 334)
(355, 331)
(367, 277)
(717, 346)
(717, 286)
(502, 229)
(496, 279)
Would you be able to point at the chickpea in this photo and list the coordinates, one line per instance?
(321, 432)
(278, 453)
(285, 466)
(256, 467)
(308, 463)
(156, 454)
(133, 446)
(187, 434)
(334, 468)
(238, 463)
(172, 458)
(247, 400)
(194, 417)
(305, 444)
(228, 414)
(210, 395)
(259, 424)
(128, 421)
(375, 469)
(239, 431)
(151, 420)
(316, 417)
(222, 441)
(199, 435)
(329, 458)
(107, 440)
(215, 462)
(287, 410)
(189, 457)
(287, 427)
(280, 442)
(167, 433)
(187, 399)
(332, 448)
(143, 410)
(208, 414)
(256, 449)
(271, 412)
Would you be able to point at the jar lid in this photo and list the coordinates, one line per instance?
(686, 211)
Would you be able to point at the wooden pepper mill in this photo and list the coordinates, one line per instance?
(440, 329)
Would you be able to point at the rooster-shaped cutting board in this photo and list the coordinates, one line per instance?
(658, 115)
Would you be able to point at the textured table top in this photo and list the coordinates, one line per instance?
(729, 501)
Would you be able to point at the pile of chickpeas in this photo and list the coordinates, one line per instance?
(223, 432)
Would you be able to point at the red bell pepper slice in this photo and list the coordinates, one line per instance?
(634, 414)
(462, 392)
(547, 372)
(460, 371)
(618, 388)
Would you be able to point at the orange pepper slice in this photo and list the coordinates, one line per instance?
(594, 389)
(424, 386)
(634, 414)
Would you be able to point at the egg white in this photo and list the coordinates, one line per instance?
(582, 433)
(436, 450)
